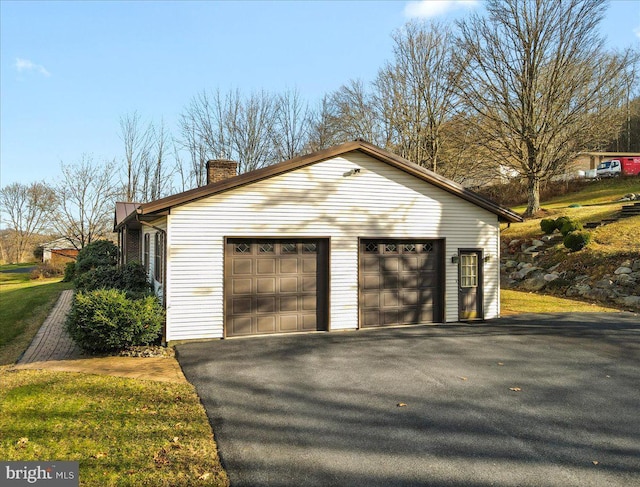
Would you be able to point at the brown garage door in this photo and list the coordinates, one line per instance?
(400, 282)
(275, 286)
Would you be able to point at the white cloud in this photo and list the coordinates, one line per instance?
(27, 65)
(432, 8)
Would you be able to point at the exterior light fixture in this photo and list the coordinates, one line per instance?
(454, 259)
(487, 258)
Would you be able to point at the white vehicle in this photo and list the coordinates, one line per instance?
(629, 166)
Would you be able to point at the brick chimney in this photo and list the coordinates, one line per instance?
(220, 169)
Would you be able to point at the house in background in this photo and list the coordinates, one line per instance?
(59, 252)
(345, 238)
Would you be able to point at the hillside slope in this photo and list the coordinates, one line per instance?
(607, 271)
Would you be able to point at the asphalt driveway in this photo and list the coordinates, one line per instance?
(536, 400)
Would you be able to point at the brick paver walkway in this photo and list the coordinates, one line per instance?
(52, 342)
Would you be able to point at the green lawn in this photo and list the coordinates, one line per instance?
(602, 192)
(24, 305)
(611, 244)
(515, 302)
(123, 432)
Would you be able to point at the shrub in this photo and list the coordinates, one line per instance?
(577, 240)
(570, 226)
(102, 277)
(45, 271)
(561, 221)
(69, 272)
(97, 254)
(106, 320)
(132, 278)
(548, 226)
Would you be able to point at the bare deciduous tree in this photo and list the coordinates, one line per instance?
(148, 173)
(540, 83)
(252, 126)
(137, 147)
(352, 114)
(27, 208)
(418, 91)
(322, 132)
(291, 130)
(217, 126)
(86, 198)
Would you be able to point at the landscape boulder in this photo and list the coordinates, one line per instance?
(536, 283)
(623, 270)
(630, 301)
(579, 289)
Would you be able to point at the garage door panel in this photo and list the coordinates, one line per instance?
(390, 317)
(410, 263)
(428, 279)
(242, 286)
(309, 303)
(370, 263)
(288, 265)
(390, 299)
(390, 264)
(266, 285)
(390, 281)
(288, 303)
(240, 326)
(242, 266)
(266, 304)
(400, 281)
(241, 305)
(371, 317)
(371, 299)
(309, 284)
(266, 266)
(274, 286)
(310, 322)
(371, 281)
(289, 323)
(266, 324)
(309, 265)
(288, 284)
(410, 298)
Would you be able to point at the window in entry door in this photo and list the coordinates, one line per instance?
(469, 270)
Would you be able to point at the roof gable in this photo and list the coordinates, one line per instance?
(165, 204)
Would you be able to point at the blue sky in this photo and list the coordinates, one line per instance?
(70, 70)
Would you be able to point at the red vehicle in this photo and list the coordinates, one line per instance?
(629, 166)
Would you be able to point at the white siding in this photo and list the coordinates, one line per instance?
(320, 201)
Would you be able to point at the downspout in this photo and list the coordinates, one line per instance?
(164, 277)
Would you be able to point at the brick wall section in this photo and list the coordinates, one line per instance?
(220, 169)
(133, 246)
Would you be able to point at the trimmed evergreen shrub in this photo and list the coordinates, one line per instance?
(69, 272)
(131, 278)
(548, 225)
(577, 240)
(102, 277)
(105, 320)
(561, 221)
(96, 254)
(570, 226)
